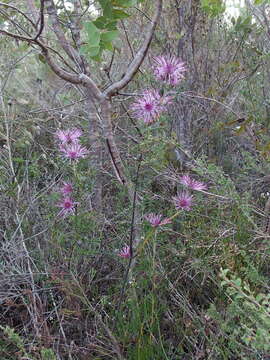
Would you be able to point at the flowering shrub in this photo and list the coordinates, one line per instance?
(152, 104)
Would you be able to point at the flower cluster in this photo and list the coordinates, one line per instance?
(69, 144)
(125, 252)
(151, 105)
(67, 205)
(192, 184)
(169, 69)
(183, 200)
(155, 220)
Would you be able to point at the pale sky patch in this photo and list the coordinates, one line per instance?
(233, 7)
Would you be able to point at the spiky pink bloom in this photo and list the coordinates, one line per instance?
(169, 69)
(67, 206)
(69, 136)
(150, 106)
(183, 201)
(155, 220)
(66, 188)
(74, 151)
(125, 252)
(192, 184)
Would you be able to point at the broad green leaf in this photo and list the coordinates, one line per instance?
(90, 50)
(124, 3)
(112, 25)
(93, 34)
(106, 45)
(107, 8)
(120, 14)
(109, 36)
(97, 57)
(101, 22)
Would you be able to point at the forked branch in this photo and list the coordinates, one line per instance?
(139, 57)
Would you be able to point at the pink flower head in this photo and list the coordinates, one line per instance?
(125, 252)
(150, 106)
(67, 206)
(66, 188)
(169, 69)
(183, 201)
(155, 220)
(192, 184)
(74, 151)
(69, 136)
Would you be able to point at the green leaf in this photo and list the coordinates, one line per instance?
(90, 50)
(100, 22)
(93, 34)
(124, 3)
(120, 14)
(97, 58)
(106, 46)
(112, 25)
(109, 36)
(41, 58)
(107, 8)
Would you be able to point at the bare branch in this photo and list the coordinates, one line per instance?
(16, 36)
(73, 78)
(20, 12)
(63, 74)
(41, 20)
(71, 52)
(91, 85)
(75, 24)
(18, 26)
(139, 57)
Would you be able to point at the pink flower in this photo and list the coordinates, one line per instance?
(125, 252)
(69, 136)
(150, 106)
(155, 220)
(66, 188)
(192, 184)
(74, 151)
(169, 69)
(67, 206)
(183, 201)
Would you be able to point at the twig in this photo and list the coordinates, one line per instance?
(131, 259)
(41, 20)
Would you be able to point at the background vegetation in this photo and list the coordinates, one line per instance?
(197, 288)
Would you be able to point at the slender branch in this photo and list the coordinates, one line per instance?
(92, 86)
(14, 23)
(63, 74)
(41, 20)
(16, 36)
(75, 24)
(131, 237)
(20, 12)
(127, 38)
(70, 51)
(73, 78)
(139, 57)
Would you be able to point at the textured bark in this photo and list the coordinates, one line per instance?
(119, 169)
